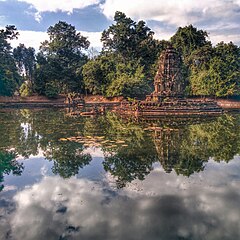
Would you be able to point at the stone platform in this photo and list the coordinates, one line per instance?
(170, 106)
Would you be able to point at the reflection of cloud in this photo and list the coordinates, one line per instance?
(9, 188)
(94, 152)
(202, 206)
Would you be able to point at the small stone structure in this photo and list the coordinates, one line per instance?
(167, 98)
(168, 80)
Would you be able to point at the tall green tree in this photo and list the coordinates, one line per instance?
(62, 56)
(9, 77)
(129, 81)
(93, 77)
(217, 72)
(126, 65)
(25, 61)
(188, 39)
(132, 40)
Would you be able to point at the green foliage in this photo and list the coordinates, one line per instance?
(125, 67)
(132, 40)
(210, 71)
(26, 62)
(110, 76)
(9, 77)
(94, 81)
(25, 90)
(52, 89)
(218, 73)
(61, 58)
(126, 42)
(188, 39)
(7, 82)
(129, 81)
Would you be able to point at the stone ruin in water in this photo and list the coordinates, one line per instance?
(168, 81)
(168, 96)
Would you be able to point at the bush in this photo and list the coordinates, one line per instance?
(25, 90)
(52, 89)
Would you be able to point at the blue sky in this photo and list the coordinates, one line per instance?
(220, 18)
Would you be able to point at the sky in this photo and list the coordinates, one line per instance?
(220, 18)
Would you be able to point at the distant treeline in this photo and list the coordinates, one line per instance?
(125, 66)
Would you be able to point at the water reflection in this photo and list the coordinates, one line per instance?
(8, 164)
(130, 148)
(162, 206)
(163, 179)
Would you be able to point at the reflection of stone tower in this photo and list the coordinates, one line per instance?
(168, 80)
(167, 142)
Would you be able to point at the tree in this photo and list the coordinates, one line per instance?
(132, 41)
(217, 73)
(25, 61)
(188, 39)
(93, 78)
(129, 81)
(62, 56)
(126, 66)
(9, 77)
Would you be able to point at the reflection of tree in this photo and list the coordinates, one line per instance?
(223, 137)
(67, 158)
(176, 151)
(127, 164)
(9, 164)
(187, 148)
(133, 159)
(180, 145)
(18, 131)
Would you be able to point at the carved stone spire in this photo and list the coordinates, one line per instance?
(168, 80)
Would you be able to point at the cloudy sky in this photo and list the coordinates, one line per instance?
(220, 18)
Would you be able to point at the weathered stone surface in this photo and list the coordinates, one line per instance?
(168, 80)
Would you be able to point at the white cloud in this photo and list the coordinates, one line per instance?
(216, 38)
(205, 14)
(172, 11)
(162, 33)
(34, 39)
(94, 38)
(63, 5)
(30, 39)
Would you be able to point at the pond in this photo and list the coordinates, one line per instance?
(107, 177)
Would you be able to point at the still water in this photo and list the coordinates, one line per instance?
(64, 177)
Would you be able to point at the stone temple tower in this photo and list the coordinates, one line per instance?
(168, 80)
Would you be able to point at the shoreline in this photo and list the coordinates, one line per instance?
(90, 101)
